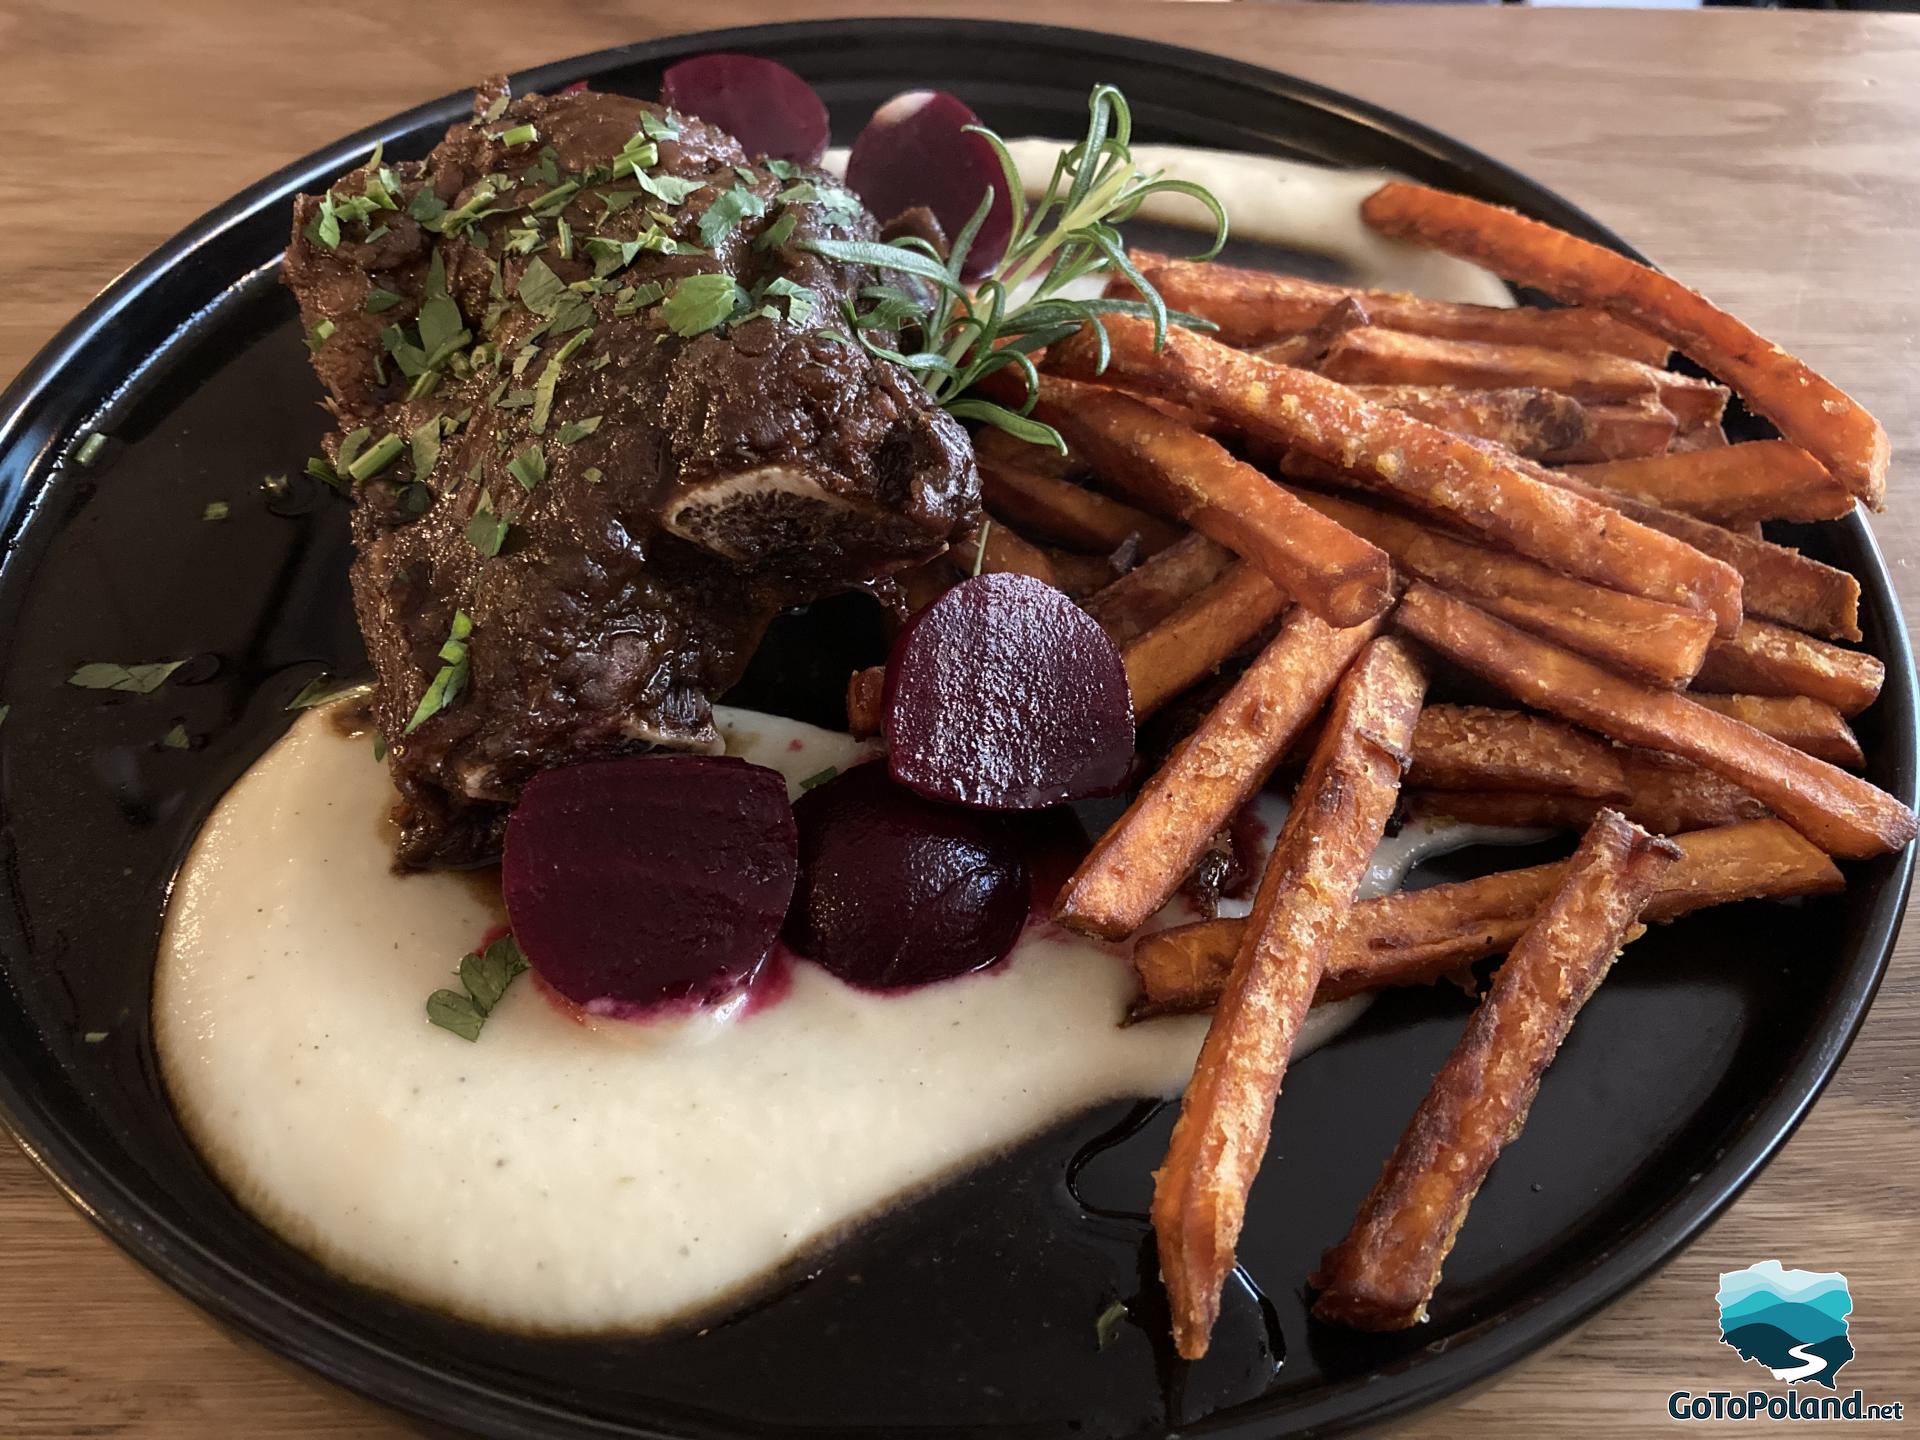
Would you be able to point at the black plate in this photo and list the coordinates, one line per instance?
(972, 1313)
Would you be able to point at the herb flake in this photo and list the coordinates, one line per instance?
(127, 679)
(484, 978)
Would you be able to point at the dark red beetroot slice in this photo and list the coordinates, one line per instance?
(761, 103)
(916, 151)
(649, 879)
(1005, 694)
(897, 891)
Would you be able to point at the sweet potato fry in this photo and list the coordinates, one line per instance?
(1157, 587)
(993, 446)
(1839, 812)
(1474, 747)
(1667, 796)
(1661, 644)
(1776, 583)
(1200, 636)
(1084, 576)
(1806, 724)
(866, 695)
(1171, 469)
(1069, 514)
(1137, 865)
(1531, 422)
(1339, 813)
(1624, 431)
(1456, 479)
(1415, 937)
(1310, 346)
(1730, 485)
(1764, 659)
(1383, 1274)
(1701, 437)
(1374, 356)
(1809, 410)
(994, 546)
(1253, 307)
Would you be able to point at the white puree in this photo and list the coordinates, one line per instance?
(574, 1176)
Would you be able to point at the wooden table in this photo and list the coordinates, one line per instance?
(1770, 158)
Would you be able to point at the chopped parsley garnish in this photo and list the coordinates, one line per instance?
(819, 777)
(130, 679)
(487, 530)
(540, 290)
(317, 336)
(725, 214)
(89, 448)
(320, 470)
(778, 233)
(5, 710)
(529, 467)
(1106, 1325)
(426, 207)
(176, 738)
(376, 458)
(324, 690)
(700, 303)
(452, 222)
(802, 304)
(518, 135)
(669, 189)
(593, 475)
(780, 169)
(496, 107)
(425, 443)
(658, 127)
(577, 429)
(379, 300)
(484, 977)
(324, 228)
(94, 1037)
(451, 678)
(563, 239)
(555, 200)
(216, 510)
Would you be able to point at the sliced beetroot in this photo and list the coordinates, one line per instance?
(1006, 695)
(649, 879)
(916, 151)
(896, 891)
(761, 103)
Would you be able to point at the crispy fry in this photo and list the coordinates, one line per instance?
(1809, 410)
(1415, 937)
(1382, 449)
(1383, 1274)
(1625, 431)
(1153, 590)
(1070, 514)
(1806, 724)
(1839, 812)
(1338, 816)
(993, 546)
(866, 697)
(1776, 583)
(1701, 437)
(1730, 485)
(1137, 865)
(1084, 576)
(1765, 659)
(1661, 644)
(1253, 307)
(1667, 796)
(1200, 636)
(1175, 471)
(1531, 422)
(1310, 346)
(1473, 747)
(993, 446)
(1386, 357)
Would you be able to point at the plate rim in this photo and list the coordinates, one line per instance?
(293, 1329)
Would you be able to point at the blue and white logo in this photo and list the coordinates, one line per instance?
(1794, 1322)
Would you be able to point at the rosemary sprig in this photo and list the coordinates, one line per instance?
(1071, 233)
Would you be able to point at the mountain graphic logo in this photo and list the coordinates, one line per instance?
(1794, 1322)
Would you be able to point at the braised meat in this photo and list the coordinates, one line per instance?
(600, 421)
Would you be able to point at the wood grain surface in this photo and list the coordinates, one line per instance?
(1770, 158)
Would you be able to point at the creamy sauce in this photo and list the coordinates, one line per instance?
(575, 1174)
